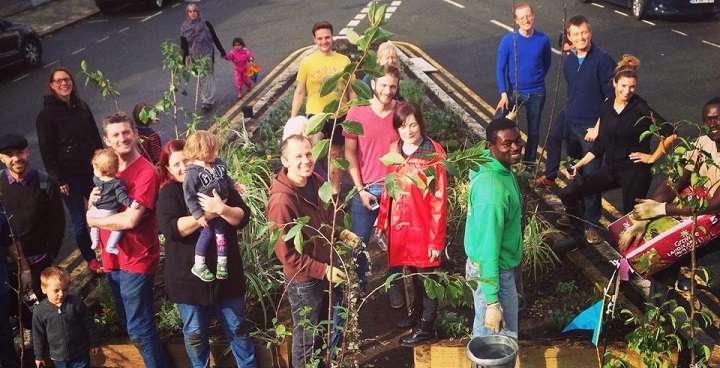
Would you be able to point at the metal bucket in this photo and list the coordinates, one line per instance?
(492, 351)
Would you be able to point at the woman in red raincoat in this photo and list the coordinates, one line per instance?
(414, 221)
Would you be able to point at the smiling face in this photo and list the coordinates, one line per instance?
(324, 40)
(624, 88)
(410, 132)
(16, 160)
(177, 165)
(297, 158)
(507, 146)
(121, 137)
(711, 119)
(580, 37)
(62, 85)
(56, 290)
(384, 89)
(525, 19)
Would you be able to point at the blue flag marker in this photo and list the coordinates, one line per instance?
(589, 319)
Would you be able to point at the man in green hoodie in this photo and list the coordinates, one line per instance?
(493, 235)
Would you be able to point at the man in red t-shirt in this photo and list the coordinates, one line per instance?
(131, 273)
(363, 152)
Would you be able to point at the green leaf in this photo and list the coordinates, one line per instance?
(357, 102)
(361, 89)
(341, 163)
(347, 220)
(383, 35)
(392, 186)
(392, 158)
(332, 107)
(352, 36)
(325, 192)
(299, 243)
(352, 127)
(320, 149)
(419, 182)
(330, 85)
(292, 232)
(316, 123)
(372, 68)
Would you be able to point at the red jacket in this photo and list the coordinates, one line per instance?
(415, 221)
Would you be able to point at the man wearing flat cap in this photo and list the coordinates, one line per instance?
(32, 203)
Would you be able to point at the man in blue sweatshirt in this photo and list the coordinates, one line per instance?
(528, 78)
(493, 234)
(588, 70)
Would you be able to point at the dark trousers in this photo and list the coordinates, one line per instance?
(308, 305)
(634, 180)
(553, 148)
(208, 235)
(577, 147)
(421, 300)
(8, 357)
(76, 203)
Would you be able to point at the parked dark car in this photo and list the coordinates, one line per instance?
(107, 6)
(19, 44)
(642, 8)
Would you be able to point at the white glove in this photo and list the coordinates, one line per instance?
(335, 274)
(434, 254)
(648, 208)
(26, 280)
(632, 235)
(493, 319)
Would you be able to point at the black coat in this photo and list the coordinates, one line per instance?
(68, 137)
(182, 286)
(68, 331)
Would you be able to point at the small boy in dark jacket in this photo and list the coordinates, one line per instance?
(63, 324)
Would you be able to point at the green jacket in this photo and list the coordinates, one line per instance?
(493, 234)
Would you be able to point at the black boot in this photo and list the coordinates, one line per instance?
(409, 321)
(424, 333)
(396, 293)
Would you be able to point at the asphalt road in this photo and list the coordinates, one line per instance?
(679, 71)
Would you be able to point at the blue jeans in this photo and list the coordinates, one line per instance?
(8, 356)
(362, 225)
(76, 203)
(534, 103)
(305, 341)
(553, 147)
(507, 296)
(577, 147)
(208, 235)
(196, 327)
(82, 361)
(133, 294)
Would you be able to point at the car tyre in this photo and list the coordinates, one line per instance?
(638, 9)
(157, 4)
(32, 52)
(104, 8)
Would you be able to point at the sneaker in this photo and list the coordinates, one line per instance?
(94, 266)
(202, 272)
(543, 181)
(222, 272)
(240, 95)
(592, 236)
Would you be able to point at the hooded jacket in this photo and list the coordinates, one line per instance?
(416, 221)
(68, 331)
(493, 233)
(285, 205)
(68, 137)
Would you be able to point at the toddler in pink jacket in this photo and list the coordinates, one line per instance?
(241, 57)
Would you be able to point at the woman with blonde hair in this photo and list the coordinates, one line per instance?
(386, 55)
(627, 158)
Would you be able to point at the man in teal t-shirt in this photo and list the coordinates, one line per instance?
(493, 234)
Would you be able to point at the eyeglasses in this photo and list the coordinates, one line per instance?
(60, 81)
(715, 118)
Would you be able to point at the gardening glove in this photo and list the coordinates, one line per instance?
(434, 254)
(493, 319)
(25, 280)
(350, 238)
(632, 235)
(334, 274)
(647, 209)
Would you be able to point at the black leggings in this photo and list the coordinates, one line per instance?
(421, 300)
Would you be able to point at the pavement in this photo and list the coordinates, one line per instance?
(47, 16)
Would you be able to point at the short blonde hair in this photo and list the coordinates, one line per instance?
(106, 161)
(201, 145)
(54, 272)
(384, 48)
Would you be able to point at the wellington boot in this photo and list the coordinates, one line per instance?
(409, 321)
(424, 333)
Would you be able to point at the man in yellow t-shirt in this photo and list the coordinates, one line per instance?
(314, 71)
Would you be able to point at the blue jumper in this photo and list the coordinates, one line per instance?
(588, 85)
(534, 58)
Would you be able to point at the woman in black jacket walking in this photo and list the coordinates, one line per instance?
(68, 137)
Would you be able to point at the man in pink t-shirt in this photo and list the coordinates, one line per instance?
(364, 152)
(131, 273)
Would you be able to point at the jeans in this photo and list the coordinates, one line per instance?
(196, 327)
(76, 203)
(553, 148)
(577, 147)
(534, 103)
(507, 296)
(82, 361)
(305, 340)
(133, 294)
(8, 356)
(363, 220)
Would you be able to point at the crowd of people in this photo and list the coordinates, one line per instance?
(122, 187)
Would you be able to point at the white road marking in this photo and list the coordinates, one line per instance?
(501, 25)
(461, 6)
(175, 5)
(648, 22)
(680, 33)
(711, 44)
(123, 30)
(54, 62)
(395, 3)
(388, 15)
(353, 23)
(621, 13)
(598, 5)
(556, 51)
(98, 21)
(343, 32)
(19, 78)
(360, 16)
(78, 51)
(365, 10)
(151, 16)
(103, 39)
